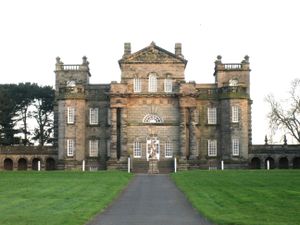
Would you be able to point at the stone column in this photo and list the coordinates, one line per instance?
(113, 136)
(124, 153)
(193, 137)
(182, 146)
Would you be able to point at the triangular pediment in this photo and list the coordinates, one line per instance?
(152, 54)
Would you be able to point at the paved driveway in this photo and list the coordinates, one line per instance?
(150, 200)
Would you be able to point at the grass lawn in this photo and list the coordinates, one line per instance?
(60, 198)
(244, 197)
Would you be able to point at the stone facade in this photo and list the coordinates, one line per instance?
(153, 107)
(153, 101)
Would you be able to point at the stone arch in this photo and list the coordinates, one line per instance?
(296, 163)
(8, 164)
(22, 164)
(283, 163)
(255, 163)
(272, 163)
(50, 164)
(34, 164)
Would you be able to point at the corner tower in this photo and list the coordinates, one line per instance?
(70, 120)
(233, 84)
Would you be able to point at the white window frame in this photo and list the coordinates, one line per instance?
(70, 115)
(234, 114)
(70, 147)
(212, 115)
(94, 112)
(152, 83)
(93, 148)
(168, 150)
(235, 143)
(137, 85)
(212, 147)
(137, 150)
(168, 86)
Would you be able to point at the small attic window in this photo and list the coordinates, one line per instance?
(233, 82)
(71, 83)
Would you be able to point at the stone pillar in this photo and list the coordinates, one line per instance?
(193, 136)
(182, 147)
(124, 153)
(113, 136)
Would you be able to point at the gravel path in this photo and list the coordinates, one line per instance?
(150, 200)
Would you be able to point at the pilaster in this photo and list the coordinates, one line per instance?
(113, 144)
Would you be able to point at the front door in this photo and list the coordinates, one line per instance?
(152, 148)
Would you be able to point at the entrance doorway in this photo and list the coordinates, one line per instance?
(152, 148)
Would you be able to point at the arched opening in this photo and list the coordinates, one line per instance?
(22, 164)
(271, 161)
(35, 164)
(296, 163)
(283, 163)
(255, 163)
(50, 164)
(8, 164)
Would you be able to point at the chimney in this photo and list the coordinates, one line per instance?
(178, 49)
(127, 49)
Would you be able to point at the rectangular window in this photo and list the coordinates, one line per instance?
(212, 115)
(93, 148)
(137, 87)
(70, 115)
(94, 112)
(235, 147)
(168, 85)
(70, 147)
(168, 150)
(137, 152)
(212, 147)
(235, 114)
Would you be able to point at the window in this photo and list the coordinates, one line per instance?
(168, 150)
(137, 153)
(235, 114)
(70, 115)
(152, 118)
(235, 147)
(137, 85)
(152, 83)
(168, 85)
(70, 147)
(93, 147)
(93, 115)
(212, 147)
(212, 115)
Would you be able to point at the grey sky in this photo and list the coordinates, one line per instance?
(34, 32)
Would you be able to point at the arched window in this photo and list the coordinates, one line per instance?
(152, 87)
(168, 85)
(151, 118)
(137, 87)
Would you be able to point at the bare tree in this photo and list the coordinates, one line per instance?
(285, 114)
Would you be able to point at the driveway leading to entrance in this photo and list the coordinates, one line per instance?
(150, 200)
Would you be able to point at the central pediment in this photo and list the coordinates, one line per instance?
(152, 54)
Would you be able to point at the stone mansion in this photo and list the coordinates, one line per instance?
(153, 105)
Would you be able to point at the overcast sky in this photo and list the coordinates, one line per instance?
(34, 33)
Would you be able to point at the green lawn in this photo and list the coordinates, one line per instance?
(244, 197)
(60, 198)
